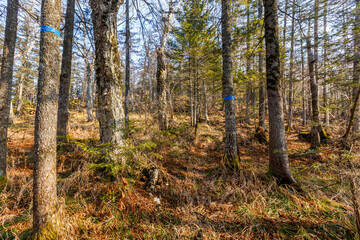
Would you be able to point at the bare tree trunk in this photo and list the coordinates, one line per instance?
(231, 151)
(315, 135)
(291, 80)
(110, 110)
(45, 219)
(325, 88)
(161, 71)
(161, 89)
(356, 63)
(90, 91)
(248, 65)
(20, 93)
(316, 41)
(65, 77)
(356, 71)
(127, 65)
(303, 81)
(279, 163)
(261, 75)
(11, 114)
(206, 115)
(283, 57)
(7, 64)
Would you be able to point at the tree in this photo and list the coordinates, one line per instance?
(315, 134)
(127, 64)
(291, 82)
(110, 111)
(65, 77)
(279, 162)
(356, 64)
(356, 70)
(45, 219)
(161, 71)
(261, 74)
(231, 151)
(7, 64)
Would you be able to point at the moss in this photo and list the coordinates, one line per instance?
(232, 163)
(47, 232)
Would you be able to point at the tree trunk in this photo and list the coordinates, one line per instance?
(45, 219)
(303, 81)
(65, 77)
(261, 75)
(206, 115)
(11, 114)
(283, 57)
(7, 64)
(325, 88)
(279, 163)
(356, 64)
(315, 137)
(248, 65)
(161, 71)
(20, 93)
(356, 71)
(291, 80)
(110, 110)
(90, 91)
(127, 65)
(231, 151)
(161, 89)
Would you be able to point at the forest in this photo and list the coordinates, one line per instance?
(179, 119)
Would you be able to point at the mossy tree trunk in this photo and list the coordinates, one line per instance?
(279, 163)
(231, 151)
(65, 77)
(7, 64)
(110, 110)
(45, 219)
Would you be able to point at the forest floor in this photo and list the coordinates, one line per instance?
(196, 197)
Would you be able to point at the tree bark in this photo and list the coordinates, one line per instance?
(291, 80)
(231, 151)
(110, 110)
(248, 64)
(161, 89)
(261, 75)
(45, 219)
(7, 64)
(127, 65)
(90, 91)
(65, 77)
(325, 88)
(356, 71)
(315, 137)
(356, 63)
(279, 163)
(283, 57)
(161, 72)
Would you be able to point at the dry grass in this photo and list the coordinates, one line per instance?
(199, 197)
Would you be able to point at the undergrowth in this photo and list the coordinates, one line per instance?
(198, 196)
